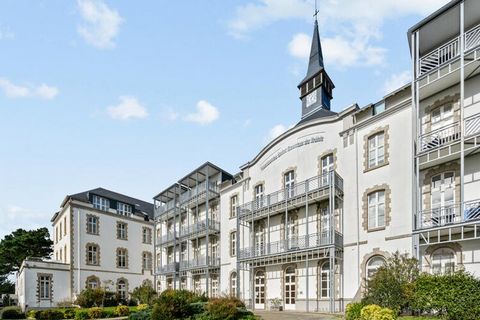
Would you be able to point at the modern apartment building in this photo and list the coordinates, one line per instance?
(101, 238)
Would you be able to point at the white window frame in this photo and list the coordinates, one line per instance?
(324, 280)
(233, 243)
(443, 212)
(124, 209)
(92, 224)
(259, 192)
(92, 254)
(147, 235)
(372, 268)
(289, 180)
(122, 258)
(45, 287)
(376, 149)
(441, 264)
(233, 284)
(147, 261)
(122, 230)
(327, 163)
(444, 117)
(233, 206)
(122, 289)
(376, 209)
(100, 203)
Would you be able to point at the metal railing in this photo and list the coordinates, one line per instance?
(161, 209)
(285, 194)
(472, 125)
(449, 51)
(169, 236)
(199, 189)
(450, 214)
(199, 262)
(168, 268)
(200, 226)
(291, 244)
(440, 137)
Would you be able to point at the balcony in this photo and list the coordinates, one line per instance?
(168, 268)
(449, 51)
(165, 207)
(166, 238)
(449, 215)
(311, 190)
(440, 137)
(200, 262)
(291, 245)
(200, 227)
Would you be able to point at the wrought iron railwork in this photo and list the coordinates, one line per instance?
(449, 215)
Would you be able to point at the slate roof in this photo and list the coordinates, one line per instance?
(320, 113)
(140, 207)
(315, 64)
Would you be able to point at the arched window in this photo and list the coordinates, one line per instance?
(373, 264)
(122, 289)
(93, 282)
(324, 280)
(233, 284)
(443, 261)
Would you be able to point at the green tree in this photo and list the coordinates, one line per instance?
(144, 293)
(20, 244)
(392, 285)
(6, 286)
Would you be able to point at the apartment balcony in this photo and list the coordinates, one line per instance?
(312, 190)
(198, 193)
(165, 208)
(166, 238)
(199, 228)
(293, 245)
(449, 215)
(201, 262)
(444, 144)
(440, 68)
(168, 268)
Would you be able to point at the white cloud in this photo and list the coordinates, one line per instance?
(12, 90)
(205, 114)
(100, 23)
(277, 130)
(396, 81)
(128, 108)
(353, 25)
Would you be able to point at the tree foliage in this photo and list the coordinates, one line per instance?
(145, 293)
(20, 244)
(392, 285)
(6, 286)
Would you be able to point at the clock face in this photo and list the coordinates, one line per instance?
(311, 98)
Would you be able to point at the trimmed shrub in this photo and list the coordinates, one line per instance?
(69, 313)
(142, 307)
(353, 311)
(141, 315)
(81, 315)
(95, 313)
(198, 307)
(12, 313)
(374, 312)
(90, 298)
(225, 308)
(108, 313)
(122, 311)
(33, 314)
(50, 314)
(175, 304)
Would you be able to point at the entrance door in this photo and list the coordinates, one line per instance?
(260, 290)
(443, 198)
(290, 288)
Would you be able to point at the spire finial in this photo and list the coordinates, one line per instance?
(316, 11)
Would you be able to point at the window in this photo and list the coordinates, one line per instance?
(60, 235)
(259, 238)
(124, 209)
(233, 243)
(147, 235)
(378, 108)
(259, 196)
(147, 261)
(93, 254)
(170, 283)
(45, 287)
(183, 252)
(196, 285)
(327, 167)
(289, 180)
(233, 284)
(324, 280)
(64, 226)
(214, 254)
(260, 288)
(122, 289)
(56, 234)
(92, 224)
(376, 209)
(65, 252)
(290, 283)
(61, 254)
(121, 230)
(442, 116)
(233, 206)
(101, 203)
(183, 283)
(214, 286)
(376, 150)
(443, 261)
(373, 264)
(443, 198)
(93, 282)
(121, 258)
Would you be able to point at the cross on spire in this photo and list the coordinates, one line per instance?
(316, 10)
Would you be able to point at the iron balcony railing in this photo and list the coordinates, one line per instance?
(295, 243)
(169, 236)
(168, 268)
(449, 214)
(165, 207)
(472, 125)
(200, 262)
(197, 190)
(323, 181)
(449, 51)
(199, 226)
(440, 137)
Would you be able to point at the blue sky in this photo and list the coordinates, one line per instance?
(131, 95)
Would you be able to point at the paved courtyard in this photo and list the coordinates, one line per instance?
(289, 315)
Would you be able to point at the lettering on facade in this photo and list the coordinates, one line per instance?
(289, 148)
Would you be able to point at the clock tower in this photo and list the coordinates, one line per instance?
(316, 88)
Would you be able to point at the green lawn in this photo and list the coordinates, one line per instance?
(132, 309)
(419, 318)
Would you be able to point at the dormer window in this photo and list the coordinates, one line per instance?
(124, 209)
(101, 203)
(378, 108)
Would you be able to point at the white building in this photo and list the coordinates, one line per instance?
(101, 238)
(321, 207)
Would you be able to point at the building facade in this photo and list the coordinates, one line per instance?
(101, 239)
(317, 211)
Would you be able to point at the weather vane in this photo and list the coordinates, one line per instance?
(316, 11)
